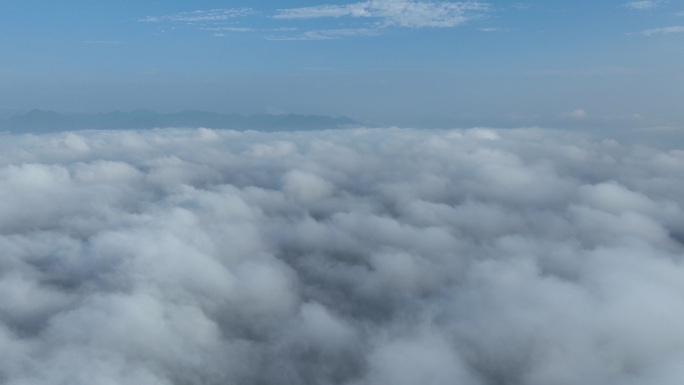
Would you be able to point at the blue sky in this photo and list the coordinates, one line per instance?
(421, 63)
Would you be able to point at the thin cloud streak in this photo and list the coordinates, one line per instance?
(229, 29)
(664, 30)
(213, 15)
(640, 5)
(105, 42)
(326, 34)
(401, 13)
(380, 13)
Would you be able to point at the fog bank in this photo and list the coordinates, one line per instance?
(360, 257)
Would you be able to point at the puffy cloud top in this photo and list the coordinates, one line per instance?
(357, 257)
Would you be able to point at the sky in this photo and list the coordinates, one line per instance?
(538, 240)
(387, 62)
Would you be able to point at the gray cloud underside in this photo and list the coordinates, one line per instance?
(342, 257)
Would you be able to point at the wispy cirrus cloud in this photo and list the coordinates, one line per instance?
(106, 42)
(401, 13)
(212, 15)
(378, 14)
(229, 29)
(522, 6)
(348, 10)
(664, 30)
(327, 34)
(645, 4)
(491, 29)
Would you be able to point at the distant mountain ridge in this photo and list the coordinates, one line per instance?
(50, 121)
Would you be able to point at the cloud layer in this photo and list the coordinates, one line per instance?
(341, 257)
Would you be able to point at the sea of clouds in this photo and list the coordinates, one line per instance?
(359, 257)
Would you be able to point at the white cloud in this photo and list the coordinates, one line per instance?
(647, 4)
(366, 256)
(229, 29)
(351, 10)
(306, 188)
(402, 13)
(522, 6)
(579, 114)
(213, 15)
(325, 34)
(664, 30)
(379, 14)
(105, 42)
